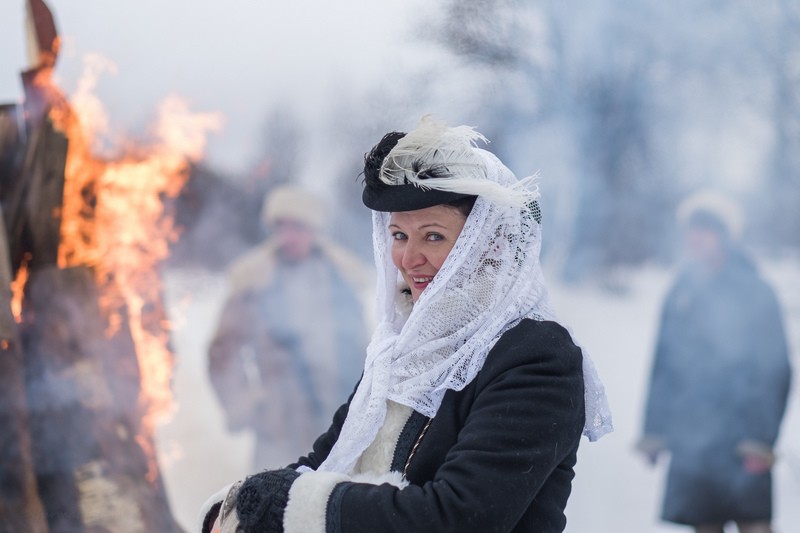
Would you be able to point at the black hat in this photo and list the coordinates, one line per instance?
(435, 165)
(380, 196)
(409, 197)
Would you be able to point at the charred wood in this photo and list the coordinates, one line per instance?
(86, 422)
(33, 206)
(20, 506)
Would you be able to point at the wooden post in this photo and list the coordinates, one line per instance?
(32, 193)
(75, 454)
(20, 506)
(86, 423)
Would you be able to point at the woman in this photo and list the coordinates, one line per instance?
(471, 405)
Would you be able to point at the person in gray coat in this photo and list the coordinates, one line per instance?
(720, 380)
(290, 339)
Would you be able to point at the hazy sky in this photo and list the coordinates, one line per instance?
(240, 57)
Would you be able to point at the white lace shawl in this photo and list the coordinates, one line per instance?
(490, 281)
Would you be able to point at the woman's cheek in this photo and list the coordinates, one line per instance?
(397, 254)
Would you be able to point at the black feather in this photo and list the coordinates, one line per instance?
(374, 159)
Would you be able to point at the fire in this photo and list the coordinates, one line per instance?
(18, 288)
(114, 219)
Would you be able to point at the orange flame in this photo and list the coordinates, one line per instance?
(18, 288)
(114, 220)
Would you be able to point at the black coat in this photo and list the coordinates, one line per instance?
(720, 377)
(497, 457)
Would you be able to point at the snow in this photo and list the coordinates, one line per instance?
(614, 489)
(197, 454)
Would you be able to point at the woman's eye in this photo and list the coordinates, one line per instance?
(399, 236)
(435, 237)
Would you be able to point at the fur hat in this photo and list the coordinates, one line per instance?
(293, 203)
(713, 210)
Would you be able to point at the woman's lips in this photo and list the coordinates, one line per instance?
(420, 282)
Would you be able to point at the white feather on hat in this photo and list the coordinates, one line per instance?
(434, 148)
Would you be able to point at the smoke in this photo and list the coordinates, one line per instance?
(624, 107)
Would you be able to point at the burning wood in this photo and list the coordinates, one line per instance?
(85, 237)
(43, 41)
(18, 289)
(20, 506)
(85, 419)
(113, 220)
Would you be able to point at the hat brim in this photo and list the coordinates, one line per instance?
(407, 197)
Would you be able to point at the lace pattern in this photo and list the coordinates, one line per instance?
(490, 281)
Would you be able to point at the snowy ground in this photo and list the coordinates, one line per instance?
(614, 490)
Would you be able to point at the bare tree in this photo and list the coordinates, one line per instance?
(780, 217)
(543, 81)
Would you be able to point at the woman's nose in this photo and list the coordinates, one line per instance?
(412, 256)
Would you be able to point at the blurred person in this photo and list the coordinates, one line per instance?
(720, 379)
(291, 335)
(473, 398)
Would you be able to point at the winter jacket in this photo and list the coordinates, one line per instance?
(272, 372)
(720, 378)
(497, 457)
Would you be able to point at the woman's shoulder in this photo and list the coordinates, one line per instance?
(539, 342)
(537, 336)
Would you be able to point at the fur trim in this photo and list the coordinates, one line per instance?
(377, 458)
(308, 502)
(214, 499)
(256, 268)
(308, 497)
(392, 478)
(404, 302)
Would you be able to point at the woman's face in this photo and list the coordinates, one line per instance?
(421, 241)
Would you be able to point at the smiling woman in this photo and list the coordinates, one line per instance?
(472, 401)
(422, 240)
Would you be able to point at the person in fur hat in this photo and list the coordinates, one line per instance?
(473, 398)
(291, 335)
(720, 379)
